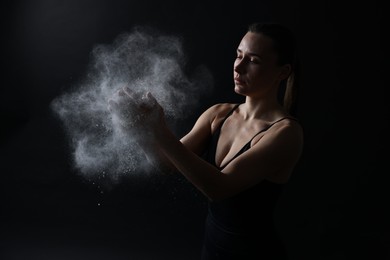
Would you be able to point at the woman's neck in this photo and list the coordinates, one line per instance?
(262, 108)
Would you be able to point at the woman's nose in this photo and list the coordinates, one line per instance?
(239, 66)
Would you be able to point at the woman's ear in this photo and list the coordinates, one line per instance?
(285, 71)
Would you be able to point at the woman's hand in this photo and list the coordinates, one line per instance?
(136, 113)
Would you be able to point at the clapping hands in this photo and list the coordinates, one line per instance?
(136, 112)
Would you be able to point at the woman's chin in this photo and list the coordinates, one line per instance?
(238, 89)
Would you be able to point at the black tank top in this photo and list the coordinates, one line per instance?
(250, 211)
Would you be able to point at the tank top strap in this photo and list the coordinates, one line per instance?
(218, 129)
(269, 126)
(228, 114)
(210, 153)
(248, 144)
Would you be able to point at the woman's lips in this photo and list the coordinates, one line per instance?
(238, 81)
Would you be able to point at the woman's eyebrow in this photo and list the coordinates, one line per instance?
(250, 53)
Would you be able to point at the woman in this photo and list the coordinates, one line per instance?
(238, 155)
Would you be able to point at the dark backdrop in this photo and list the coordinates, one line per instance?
(334, 207)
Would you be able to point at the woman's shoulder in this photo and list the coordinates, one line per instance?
(287, 128)
(217, 112)
(220, 109)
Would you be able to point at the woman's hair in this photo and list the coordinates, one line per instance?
(285, 46)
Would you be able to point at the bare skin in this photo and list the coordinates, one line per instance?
(273, 154)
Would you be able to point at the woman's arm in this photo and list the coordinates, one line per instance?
(275, 151)
(195, 140)
(279, 149)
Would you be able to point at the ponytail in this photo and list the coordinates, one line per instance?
(291, 91)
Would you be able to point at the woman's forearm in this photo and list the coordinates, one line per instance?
(203, 175)
(156, 157)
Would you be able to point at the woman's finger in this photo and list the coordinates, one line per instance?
(148, 101)
(124, 100)
(151, 98)
(112, 106)
(130, 93)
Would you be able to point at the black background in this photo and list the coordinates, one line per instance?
(334, 207)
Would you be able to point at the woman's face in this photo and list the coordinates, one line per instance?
(255, 69)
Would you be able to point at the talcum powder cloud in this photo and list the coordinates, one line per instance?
(145, 60)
